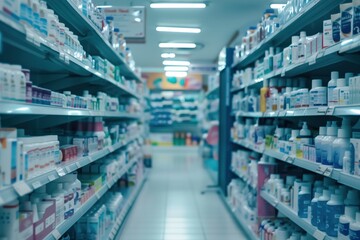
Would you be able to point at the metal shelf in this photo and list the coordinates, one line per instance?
(256, 83)
(116, 228)
(41, 57)
(22, 188)
(244, 225)
(248, 145)
(67, 224)
(212, 92)
(313, 13)
(289, 213)
(21, 108)
(90, 37)
(243, 177)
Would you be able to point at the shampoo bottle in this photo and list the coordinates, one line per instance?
(317, 140)
(354, 231)
(345, 221)
(334, 209)
(264, 94)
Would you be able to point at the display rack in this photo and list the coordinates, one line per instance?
(289, 213)
(68, 223)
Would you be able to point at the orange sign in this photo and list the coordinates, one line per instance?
(160, 81)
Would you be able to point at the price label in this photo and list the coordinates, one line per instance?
(284, 158)
(36, 185)
(37, 40)
(276, 202)
(321, 169)
(62, 56)
(111, 149)
(68, 169)
(290, 160)
(22, 188)
(78, 164)
(109, 185)
(61, 172)
(56, 234)
(322, 110)
(319, 235)
(282, 114)
(97, 195)
(290, 113)
(67, 59)
(330, 111)
(111, 235)
(51, 177)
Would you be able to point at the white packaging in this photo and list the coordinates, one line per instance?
(346, 11)
(336, 27)
(327, 34)
(318, 94)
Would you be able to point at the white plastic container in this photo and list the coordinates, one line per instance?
(331, 134)
(304, 201)
(331, 87)
(334, 209)
(302, 47)
(318, 94)
(321, 209)
(345, 221)
(318, 140)
(354, 231)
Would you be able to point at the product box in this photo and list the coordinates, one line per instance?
(355, 145)
(8, 156)
(327, 34)
(95, 181)
(356, 17)
(46, 224)
(26, 230)
(264, 171)
(346, 28)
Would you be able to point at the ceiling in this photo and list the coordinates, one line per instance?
(219, 21)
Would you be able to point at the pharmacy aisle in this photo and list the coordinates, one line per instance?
(171, 206)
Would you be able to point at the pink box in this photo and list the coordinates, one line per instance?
(265, 210)
(26, 230)
(46, 224)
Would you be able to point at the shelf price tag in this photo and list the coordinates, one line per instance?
(78, 164)
(52, 177)
(318, 235)
(322, 169)
(111, 148)
(330, 111)
(22, 188)
(56, 234)
(68, 169)
(111, 235)
(312, 59)
(282, 113)
(61, 172)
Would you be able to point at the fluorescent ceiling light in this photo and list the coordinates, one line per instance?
(277, 6)
(176, 74)
(177, 45)
(104, 6)
(178, 29)
(168, 55)
(178, 5)
(176, 63)
(175, 68)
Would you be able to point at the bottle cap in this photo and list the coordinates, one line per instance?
(331, 131)
(305, 188)
(316, 83)
(334, 75)
(340, 82)
(322, 131)
(294, 39)
(348, 75)
(353, 196)
(336, 197)
(290, 180)
(344, 133)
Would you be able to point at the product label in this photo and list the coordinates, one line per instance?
(336, 30)
(304, 201)
(321, 216)
(356, 19)
(344, 228)
(338, 158)
(344, 97)
(333, 213)
(314, 213)
(346, 22)
(354, 235)
(318, 97)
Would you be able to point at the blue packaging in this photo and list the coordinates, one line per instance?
(336, 23)
(334, 209)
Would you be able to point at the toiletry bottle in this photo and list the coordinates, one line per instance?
(317, 140)
(340, 145)
(321, 210)
(294, 49)
(302, 47)
(305, 138)
(331, 87)
(348, 162)
(345, 221)
(291, 149)
(274, 95)
(326, 156)
(334, 209)
(314, 207)
(264, 95)
(340, 84)
(354, 231)
(318, 94)
(348, 75)
(304, 201)
(286, 98)
(303, 97)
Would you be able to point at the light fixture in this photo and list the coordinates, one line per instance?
(176, 74)
(178, 29)
(177, 45)
(176, 63)
(277, 5)
(104, 6)
(175, 68)
(168, 55)
(178, 5)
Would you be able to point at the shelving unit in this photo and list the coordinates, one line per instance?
(301, 222)
(63, 227)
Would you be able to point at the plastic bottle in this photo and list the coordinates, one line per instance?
(304, 201)
(294, 49)
(331, 87)
(287, 97)
(302, 47)
(291, 148)
(345, 221)
(340, 145)
(253, 101)
(314, 206)
(318, 139)
(264, 94)
(326, 156)
(352, 198)
(354, 231)
(340, 84)
(321, 208)
(274, 95)
(318, 93)
(334, 209)
(305, 138)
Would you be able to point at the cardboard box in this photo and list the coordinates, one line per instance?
(46, 224)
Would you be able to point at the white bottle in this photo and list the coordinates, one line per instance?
(345, 221)
(340, 145)
(348, 75)
(253, 101)
(286, 98)
(352, 198)
(294, 49)
(321, 210)
(326, 156)
(318, 93)
(354, 231)
(302, 47)
(274, 94)
(58, 193)
(291, 147)
(304, 201)
(313, 205)
(318, 139)
(331, 87)
(334, 209)
(340, 85)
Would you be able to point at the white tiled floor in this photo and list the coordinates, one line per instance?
(170, 206)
